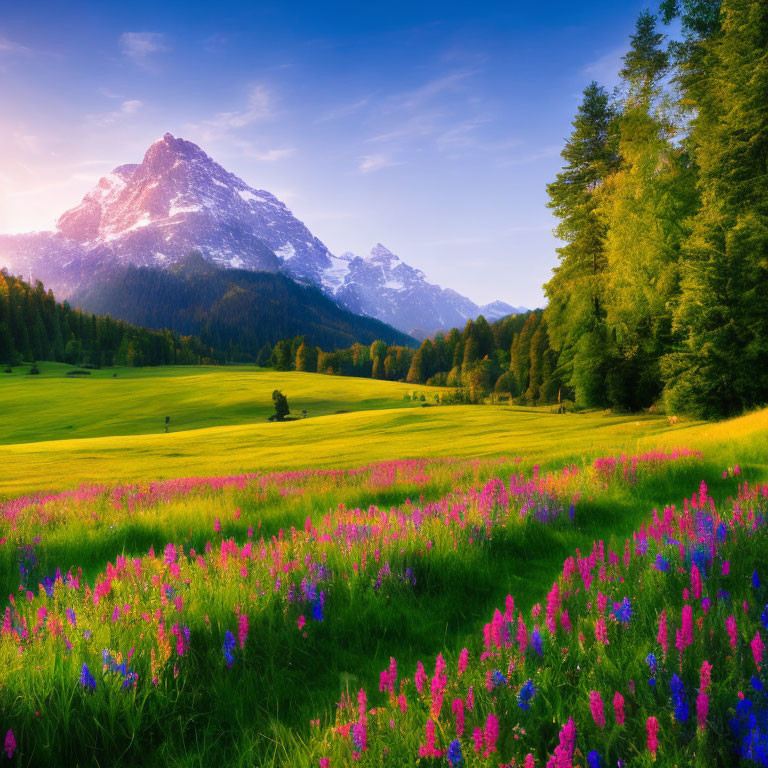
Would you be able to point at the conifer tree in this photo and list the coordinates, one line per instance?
(576, 291)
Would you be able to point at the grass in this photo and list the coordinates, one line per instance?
(259, 711)
(135, 401)
(56, 433)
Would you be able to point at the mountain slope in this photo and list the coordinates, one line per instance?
(178, 200)
(234, 310)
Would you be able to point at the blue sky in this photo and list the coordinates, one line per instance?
(432, 127)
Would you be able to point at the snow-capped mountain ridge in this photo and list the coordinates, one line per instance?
(178, 200)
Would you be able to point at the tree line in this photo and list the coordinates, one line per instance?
(661, 291)
(511, 356)
(34, 326)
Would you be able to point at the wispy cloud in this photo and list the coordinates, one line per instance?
(605, 68)
(371, 163)
(260, 107)
(140, 46)
(344, 110)
(127, 108)
(8, 46)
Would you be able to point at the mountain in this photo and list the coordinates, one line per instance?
(178, 201)
(233, 310)
(384, 286)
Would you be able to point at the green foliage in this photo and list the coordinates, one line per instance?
(662, 286)
(281, 405)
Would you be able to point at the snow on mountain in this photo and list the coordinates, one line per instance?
(178, 200)
(382, 285)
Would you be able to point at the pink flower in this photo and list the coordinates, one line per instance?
(652, 727)
(705, 676)
(509, 609)
(217, 525)
(602, 602)
(325, 762)
(596, 705)
(491, 733)
(522, 635)
(731, 629)
(758, 647)
(301, 622)
(429, 749)
(457, 707)
(702, 707)
(10, 744)
(402, 702)
(695, 581)
(529, 761)
(463, 659)
(420, 677)
(601, 633)
(661, 638)
(477, 738)
(726, 568)
(565, 621)
(618, 707)
(242, 629)
(471, 697)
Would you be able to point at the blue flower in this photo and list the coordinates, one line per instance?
(755, 580)
(498, 679)
(722, 531)
(317, 609)
(623, 610)
(536, 641)
(650, 660)
(527, 692)
(87, 680)
(661, 563)
(679, 700)
(756, 683)
(455, 758)
(228, 648)
(764, 618)
(593, 759)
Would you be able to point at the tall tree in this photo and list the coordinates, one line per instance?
(576, 311)
(720, 366)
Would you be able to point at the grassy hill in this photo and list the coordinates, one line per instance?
(59, 432)
(129, 401)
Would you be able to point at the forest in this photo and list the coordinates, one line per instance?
(34, 326)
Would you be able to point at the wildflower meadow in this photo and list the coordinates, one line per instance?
(345, 617)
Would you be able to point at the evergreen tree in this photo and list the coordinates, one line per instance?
(306, 358)
(720, 366)
(576, 290)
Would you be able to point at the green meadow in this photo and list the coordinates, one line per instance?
(259, 712)
(57, 432)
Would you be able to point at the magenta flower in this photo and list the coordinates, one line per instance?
(217, 525)
(618, 707)
(477, 738)
(731, 629)
(325, 762)
(652, 728)
(463, 659)
(661, 637)
(529, 761)
(758, 648)
(457, 708)
(429, 749)
(242, 629)
(420, 677)
(491, 733)
(705, 676)
(695, 581)
(702, 707)
(601, 633)
(522, 635)
(596, 706)
(10, 744)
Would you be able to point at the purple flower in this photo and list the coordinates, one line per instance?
(87, 680)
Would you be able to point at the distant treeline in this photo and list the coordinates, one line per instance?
(511, 356)
(34, 326)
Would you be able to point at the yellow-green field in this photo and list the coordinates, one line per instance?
(114, 427)
(135, 401)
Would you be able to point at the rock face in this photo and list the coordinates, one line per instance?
(178, 201)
